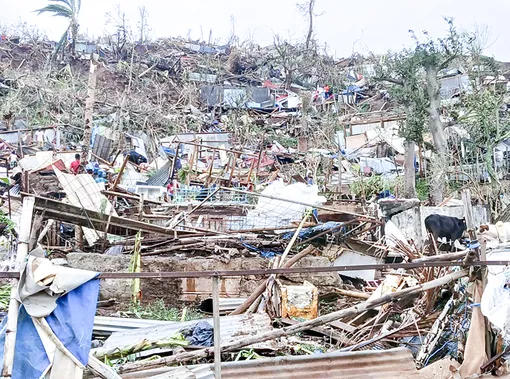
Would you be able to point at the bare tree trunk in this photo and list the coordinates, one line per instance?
(409, 170)
(89, 105)
(439, 163)
(311, 5)
(74, 36)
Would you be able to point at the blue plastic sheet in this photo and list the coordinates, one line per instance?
(263, 253)
(72, 322)
(310, 232)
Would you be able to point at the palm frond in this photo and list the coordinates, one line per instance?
(60, 44)
(74, 5)
(57, 10)
(69, 3)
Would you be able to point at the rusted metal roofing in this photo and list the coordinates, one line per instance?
(395, 363)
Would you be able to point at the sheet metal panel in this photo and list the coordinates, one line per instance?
(395, 363)
(386, 364)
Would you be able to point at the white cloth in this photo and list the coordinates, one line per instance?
(42, 283)
(39, 136)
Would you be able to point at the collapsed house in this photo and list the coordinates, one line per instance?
(296, 268)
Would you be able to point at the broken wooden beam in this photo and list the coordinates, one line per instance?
(57, 210)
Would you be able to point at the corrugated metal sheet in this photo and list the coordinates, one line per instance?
(161, 176)
(395, 363)
(109, 325)
(390, 364)
(183, 372)
(231, 328)
(102, 147)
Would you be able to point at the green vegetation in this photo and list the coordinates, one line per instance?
(366, 186)
(5, 220)
(246, 355)
(159, 311)
(422, 189)
(5, 297)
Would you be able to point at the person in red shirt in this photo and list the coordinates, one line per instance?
(75, 165)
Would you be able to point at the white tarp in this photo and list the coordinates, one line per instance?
(83, 191)
(272, 213)
(495, 304)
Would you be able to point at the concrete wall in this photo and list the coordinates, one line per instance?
(190, 289)
(412, 221)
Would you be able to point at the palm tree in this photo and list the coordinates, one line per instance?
(70, 10)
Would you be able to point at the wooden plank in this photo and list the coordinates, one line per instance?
(339, 337)
(60, 211)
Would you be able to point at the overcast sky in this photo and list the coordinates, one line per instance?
(346, 26)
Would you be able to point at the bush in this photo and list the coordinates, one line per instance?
(375, 184)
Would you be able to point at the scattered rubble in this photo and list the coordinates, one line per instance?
(215, 185)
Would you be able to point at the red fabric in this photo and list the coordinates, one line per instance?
(75, 166)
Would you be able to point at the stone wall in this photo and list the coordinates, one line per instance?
(190, 289)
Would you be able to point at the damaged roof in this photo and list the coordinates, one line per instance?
(394, 363)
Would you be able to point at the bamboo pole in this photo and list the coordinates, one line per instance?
(301, 327)
(357, 294)
(121, 171)
(12, 315)
(260, 289)
(99, 368)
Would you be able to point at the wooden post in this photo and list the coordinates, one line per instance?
(216, 318)
(468, 212)
(258, 159)
(121, 171)
(249, 172)
(339, 185)
(89, 104)
(9, 196)
(208, 181)
(78, 235)
(12, 316)
(232, 169)
(140, 208)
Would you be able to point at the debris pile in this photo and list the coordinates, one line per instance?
(214, 186)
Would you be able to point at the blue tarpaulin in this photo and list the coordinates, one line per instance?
(310, 232)
(72, 322)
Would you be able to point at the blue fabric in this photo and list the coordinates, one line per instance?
(306, 233)
(263, 253)
(30, 359)
(72, 322)
(168, 150)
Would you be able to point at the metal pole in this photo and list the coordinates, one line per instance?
(12, 316)
(216, 318)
